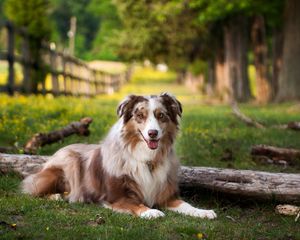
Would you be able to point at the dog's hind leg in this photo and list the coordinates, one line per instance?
(45, 182)
(73, 174)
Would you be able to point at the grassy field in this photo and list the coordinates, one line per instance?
(207, 132)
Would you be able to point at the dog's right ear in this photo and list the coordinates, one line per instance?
(126, 107)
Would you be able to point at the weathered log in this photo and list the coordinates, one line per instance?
(262, 185)
(257, 184)
(294, 126)
(290, 155)
(8, 149)
(41, 139)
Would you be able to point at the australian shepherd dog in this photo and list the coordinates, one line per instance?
(132, 171)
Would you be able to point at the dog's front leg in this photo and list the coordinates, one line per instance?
(183, 207)
(125, 206)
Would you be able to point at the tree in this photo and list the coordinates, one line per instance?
(104, 43)
(87, 23)
(234, 23)
(161, 31)
(289, 80)
(260, 49)
(32, 15)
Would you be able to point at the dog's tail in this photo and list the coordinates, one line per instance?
(47, 181)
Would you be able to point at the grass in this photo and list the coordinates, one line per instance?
(208, 131)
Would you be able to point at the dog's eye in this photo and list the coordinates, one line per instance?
(140, 116)
(161, 115)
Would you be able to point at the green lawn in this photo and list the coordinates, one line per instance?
(207, 132)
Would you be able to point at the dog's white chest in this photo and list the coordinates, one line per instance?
(151, 183)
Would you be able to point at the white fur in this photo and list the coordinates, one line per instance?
(152, 123)
(28, 184)
(152, 213)
(108, 206)
(134, 163)
(188, 209)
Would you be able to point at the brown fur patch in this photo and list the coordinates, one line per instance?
(131, 135)
(125, 205)
(126, 108)
(48, 181)
(173, 203)
(94, 181)
(173, 107)
(169, 192)
(123, 187)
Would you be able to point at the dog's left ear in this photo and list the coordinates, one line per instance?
(173, 106)
(125, 108)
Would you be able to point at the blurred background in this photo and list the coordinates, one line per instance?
(233, 64)
(237, 50)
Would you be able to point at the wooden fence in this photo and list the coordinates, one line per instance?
(69, 75)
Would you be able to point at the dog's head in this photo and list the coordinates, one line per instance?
(153, 120)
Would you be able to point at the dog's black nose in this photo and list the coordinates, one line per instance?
(152, 133)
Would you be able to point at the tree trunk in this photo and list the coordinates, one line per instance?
(261, 185)
(277, 59)
(210, 84)
(221, 82)
(289, 80)
(181, 74)
(236, 74)
(260, 49)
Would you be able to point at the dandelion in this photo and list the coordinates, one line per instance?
(201, 236)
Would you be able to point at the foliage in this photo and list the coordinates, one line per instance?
(104, 43)
(160, 31)
(32, 14)
(206, 132)
(97, 22)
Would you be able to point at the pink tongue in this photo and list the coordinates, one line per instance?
(152, 144)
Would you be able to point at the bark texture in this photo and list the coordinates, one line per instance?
(289, 155)
(262, 185)
(289, 80)
(256, 184)
(235, 42)
(277, 60)
(260, 49)
(41, 139)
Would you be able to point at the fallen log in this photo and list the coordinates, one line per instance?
(262, 185)
(41, 139)
(249, 121)
(290, 155)
(253, 123)
(8, 149)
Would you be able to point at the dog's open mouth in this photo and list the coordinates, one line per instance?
(152, 144)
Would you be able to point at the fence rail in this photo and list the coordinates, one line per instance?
(69, 75)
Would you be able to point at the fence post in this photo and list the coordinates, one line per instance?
(10, 58)
(53, 71)
(26, 65)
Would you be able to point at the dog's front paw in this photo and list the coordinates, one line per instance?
(152, 213)
(189, 210)
(210, 214)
